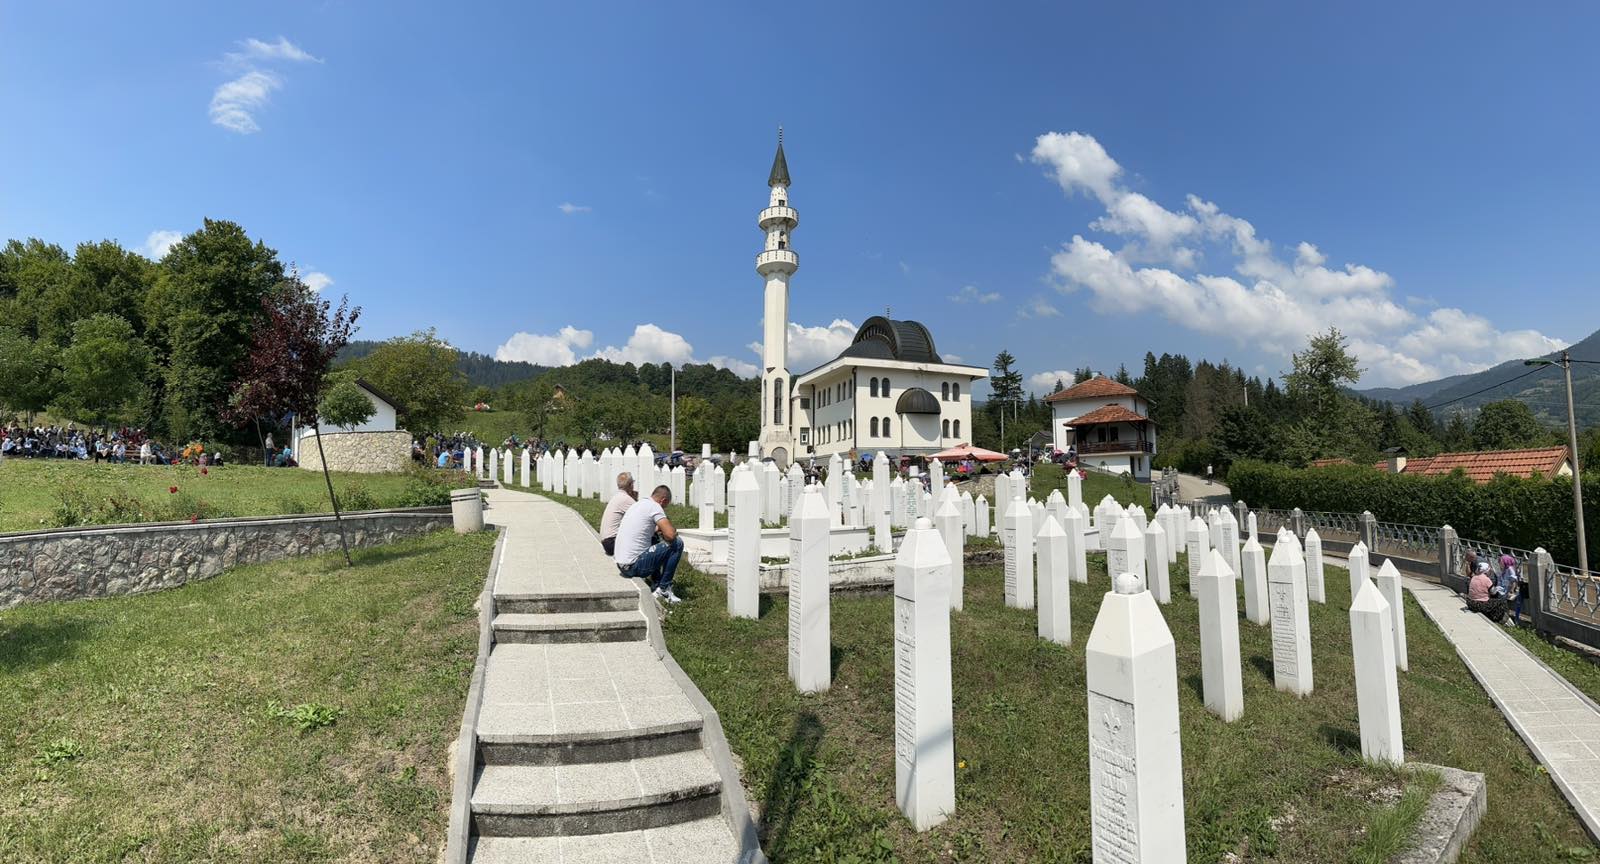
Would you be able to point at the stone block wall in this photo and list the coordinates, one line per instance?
(111, 561)
(360, 452)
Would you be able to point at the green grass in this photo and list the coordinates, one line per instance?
(1095, 487)
(493, 427)
(39, 493)
(1580, 671)
(1284, 783)
(291, 712)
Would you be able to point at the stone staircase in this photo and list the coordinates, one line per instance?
(587, 748)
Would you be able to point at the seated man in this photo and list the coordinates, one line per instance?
(615, 508)
(636, 556)
(1484, 596)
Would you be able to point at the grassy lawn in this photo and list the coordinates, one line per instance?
(51, 493)
(493, 427)
(1095, 487)
(1284, 783)
(162, 728)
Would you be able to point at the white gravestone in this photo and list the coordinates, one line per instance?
(948, 520)
(1155, 562)
(647, 465)
(772, 506)
(527, 467)
(980, 517)
(1037, 511)
(1360, 574)
(924, 737)
(1388, 582)
(744, 546)
(708, 516)
(1230, 538)
(1198, 546)
(1017, 534)
(897, 500)
(1055, 603)
(1135, 759)
(1074, 489)
(1315, 589)
(1137, 514)
(1002, 497)
(852, 494)
(1250, 525)
(1077, 546)
(1377, 689)
(1125, 550)
(969, 515)
(882, 504)
(705, 452)
(494, 464)
(1254, 561)
(1291, 623)
(835, 488)
(676, 484)
(1220, 678)
(810, 640)
(508, 466)
(719, 488)
(797, 484)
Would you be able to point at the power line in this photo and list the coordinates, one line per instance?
(1534, 371)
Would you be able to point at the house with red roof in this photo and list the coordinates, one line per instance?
(1108, 423)
(1480, 466)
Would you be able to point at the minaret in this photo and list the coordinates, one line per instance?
(776, 263)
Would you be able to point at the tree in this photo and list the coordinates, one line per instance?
(1005, 385)
(29, 378)
(345, 406)
(285, 370)
(201, 312)
(1507, 425)
(103, 370)
(420, 371)
(1321, 371)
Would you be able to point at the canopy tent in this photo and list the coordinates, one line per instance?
(967, 451)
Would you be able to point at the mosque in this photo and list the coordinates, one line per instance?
(890, 390)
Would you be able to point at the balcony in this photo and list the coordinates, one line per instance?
(773, 215)
(777, 260)
(1104, 447)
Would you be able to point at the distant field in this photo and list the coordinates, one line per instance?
(41, 493)
(496, 426)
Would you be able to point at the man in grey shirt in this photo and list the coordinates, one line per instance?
(615, 508)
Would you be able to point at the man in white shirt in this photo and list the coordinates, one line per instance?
(637, 556)
(615, 508)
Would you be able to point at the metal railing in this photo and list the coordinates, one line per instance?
(1417, 542)
(1332, 525)
(1268, 521)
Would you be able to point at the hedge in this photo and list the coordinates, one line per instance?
(1516, 511)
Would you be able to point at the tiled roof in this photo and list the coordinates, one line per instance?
(1095, 388)
(1324, 463)
(1108, 414)
(1482, 465)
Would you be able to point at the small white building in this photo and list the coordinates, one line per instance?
(1107, 422)
(890, 391)
(376, 446)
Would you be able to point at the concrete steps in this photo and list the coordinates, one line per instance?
(624, 600)
(685, 843)
(594, 798)
(548, 627)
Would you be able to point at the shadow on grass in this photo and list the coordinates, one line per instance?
(1343, 740)
(1263, 665)
(378, 555)
(28, 644)
(763, 605)
(790, 778)
(1197, 684)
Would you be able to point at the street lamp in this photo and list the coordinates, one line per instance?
(1565, 363)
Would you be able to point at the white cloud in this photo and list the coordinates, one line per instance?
(971, 294)
(650, 344)
(317, 280)
(1038, 307)
(1045, 382)
(235, 103)
(570, 208)
(810, 347)
(1271, 300)
(159, 242)
(737, 367)
(904, 267)
(559, 349)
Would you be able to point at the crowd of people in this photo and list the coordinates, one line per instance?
(125, 445)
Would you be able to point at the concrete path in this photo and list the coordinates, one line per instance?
(1559, 723)
(1192, 488)
(589, 749)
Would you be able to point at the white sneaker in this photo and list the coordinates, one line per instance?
(669, 596)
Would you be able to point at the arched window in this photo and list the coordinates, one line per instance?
(957, 427)
(955, 395)
(885, 386)
(777, 401)
(946, 429)
(886, 427)
(872, 387)
(944, 391)
(873, 426)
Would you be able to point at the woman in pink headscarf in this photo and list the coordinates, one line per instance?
(1515, 589)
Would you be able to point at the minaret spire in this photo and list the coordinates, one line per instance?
(776, 263)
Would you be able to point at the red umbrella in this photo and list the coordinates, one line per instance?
(967, 451)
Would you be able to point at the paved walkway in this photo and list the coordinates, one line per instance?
(1560, 724)
(589, 749)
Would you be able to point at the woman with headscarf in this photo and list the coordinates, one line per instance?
(1484, 596)
(1512, 587)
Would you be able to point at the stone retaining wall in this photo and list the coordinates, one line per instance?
(358, 452)
(110, 561)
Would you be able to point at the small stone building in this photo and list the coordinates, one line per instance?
(373, 447)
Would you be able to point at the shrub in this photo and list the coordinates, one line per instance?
(304, 717)
(422, 492)
(358, 497)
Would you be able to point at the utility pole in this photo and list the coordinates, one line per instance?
(1565, 363)
(672, 434)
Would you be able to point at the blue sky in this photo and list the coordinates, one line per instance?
(555, 180)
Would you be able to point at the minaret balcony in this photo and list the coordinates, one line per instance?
(779, 215)
(777, 260)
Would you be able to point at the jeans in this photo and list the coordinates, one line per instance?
(659, 562)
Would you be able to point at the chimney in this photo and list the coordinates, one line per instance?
(1396, 458)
